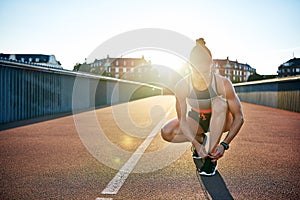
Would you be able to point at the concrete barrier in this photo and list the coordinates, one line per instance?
(282, 93)
(29, 91)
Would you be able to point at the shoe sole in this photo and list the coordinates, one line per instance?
(210, 174)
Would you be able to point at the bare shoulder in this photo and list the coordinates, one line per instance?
(221, 79)
(224, 85)
(182, 88)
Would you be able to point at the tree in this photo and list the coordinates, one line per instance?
(76, 67)
(255, 77)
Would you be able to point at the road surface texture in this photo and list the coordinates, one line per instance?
(50, 159)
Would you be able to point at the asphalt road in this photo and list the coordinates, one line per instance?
(78, 157)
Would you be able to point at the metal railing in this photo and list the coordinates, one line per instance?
(282, 93)
(29, 91)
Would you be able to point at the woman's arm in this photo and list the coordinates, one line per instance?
(235, 108)
(181, 94)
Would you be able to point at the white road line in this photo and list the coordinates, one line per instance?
(116, 183)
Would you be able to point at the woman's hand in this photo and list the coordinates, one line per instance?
(217, 153)
(202, 153)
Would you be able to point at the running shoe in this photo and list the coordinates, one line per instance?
(209, 168)
(204, 166)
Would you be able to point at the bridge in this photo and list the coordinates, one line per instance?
(109, 147)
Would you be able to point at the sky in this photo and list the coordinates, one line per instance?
(263, 34)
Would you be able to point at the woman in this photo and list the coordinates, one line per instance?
(215, 108)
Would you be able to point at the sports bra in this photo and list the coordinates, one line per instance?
(201, 100)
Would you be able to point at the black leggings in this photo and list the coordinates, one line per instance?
(203, 119)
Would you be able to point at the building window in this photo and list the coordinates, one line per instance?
(117, 69)
(117, 63)
(124, 62)
(107, 64)
(124, 69)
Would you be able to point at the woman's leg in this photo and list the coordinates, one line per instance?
(171, 131)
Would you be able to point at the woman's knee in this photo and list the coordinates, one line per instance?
(169, 129)
(166, 134)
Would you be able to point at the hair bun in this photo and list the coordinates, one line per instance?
(200, 41)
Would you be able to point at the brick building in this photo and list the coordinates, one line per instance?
(125, 68)
(233, 70)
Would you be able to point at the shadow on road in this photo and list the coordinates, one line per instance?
(16, 124)
(216, 187)
(39, 119)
